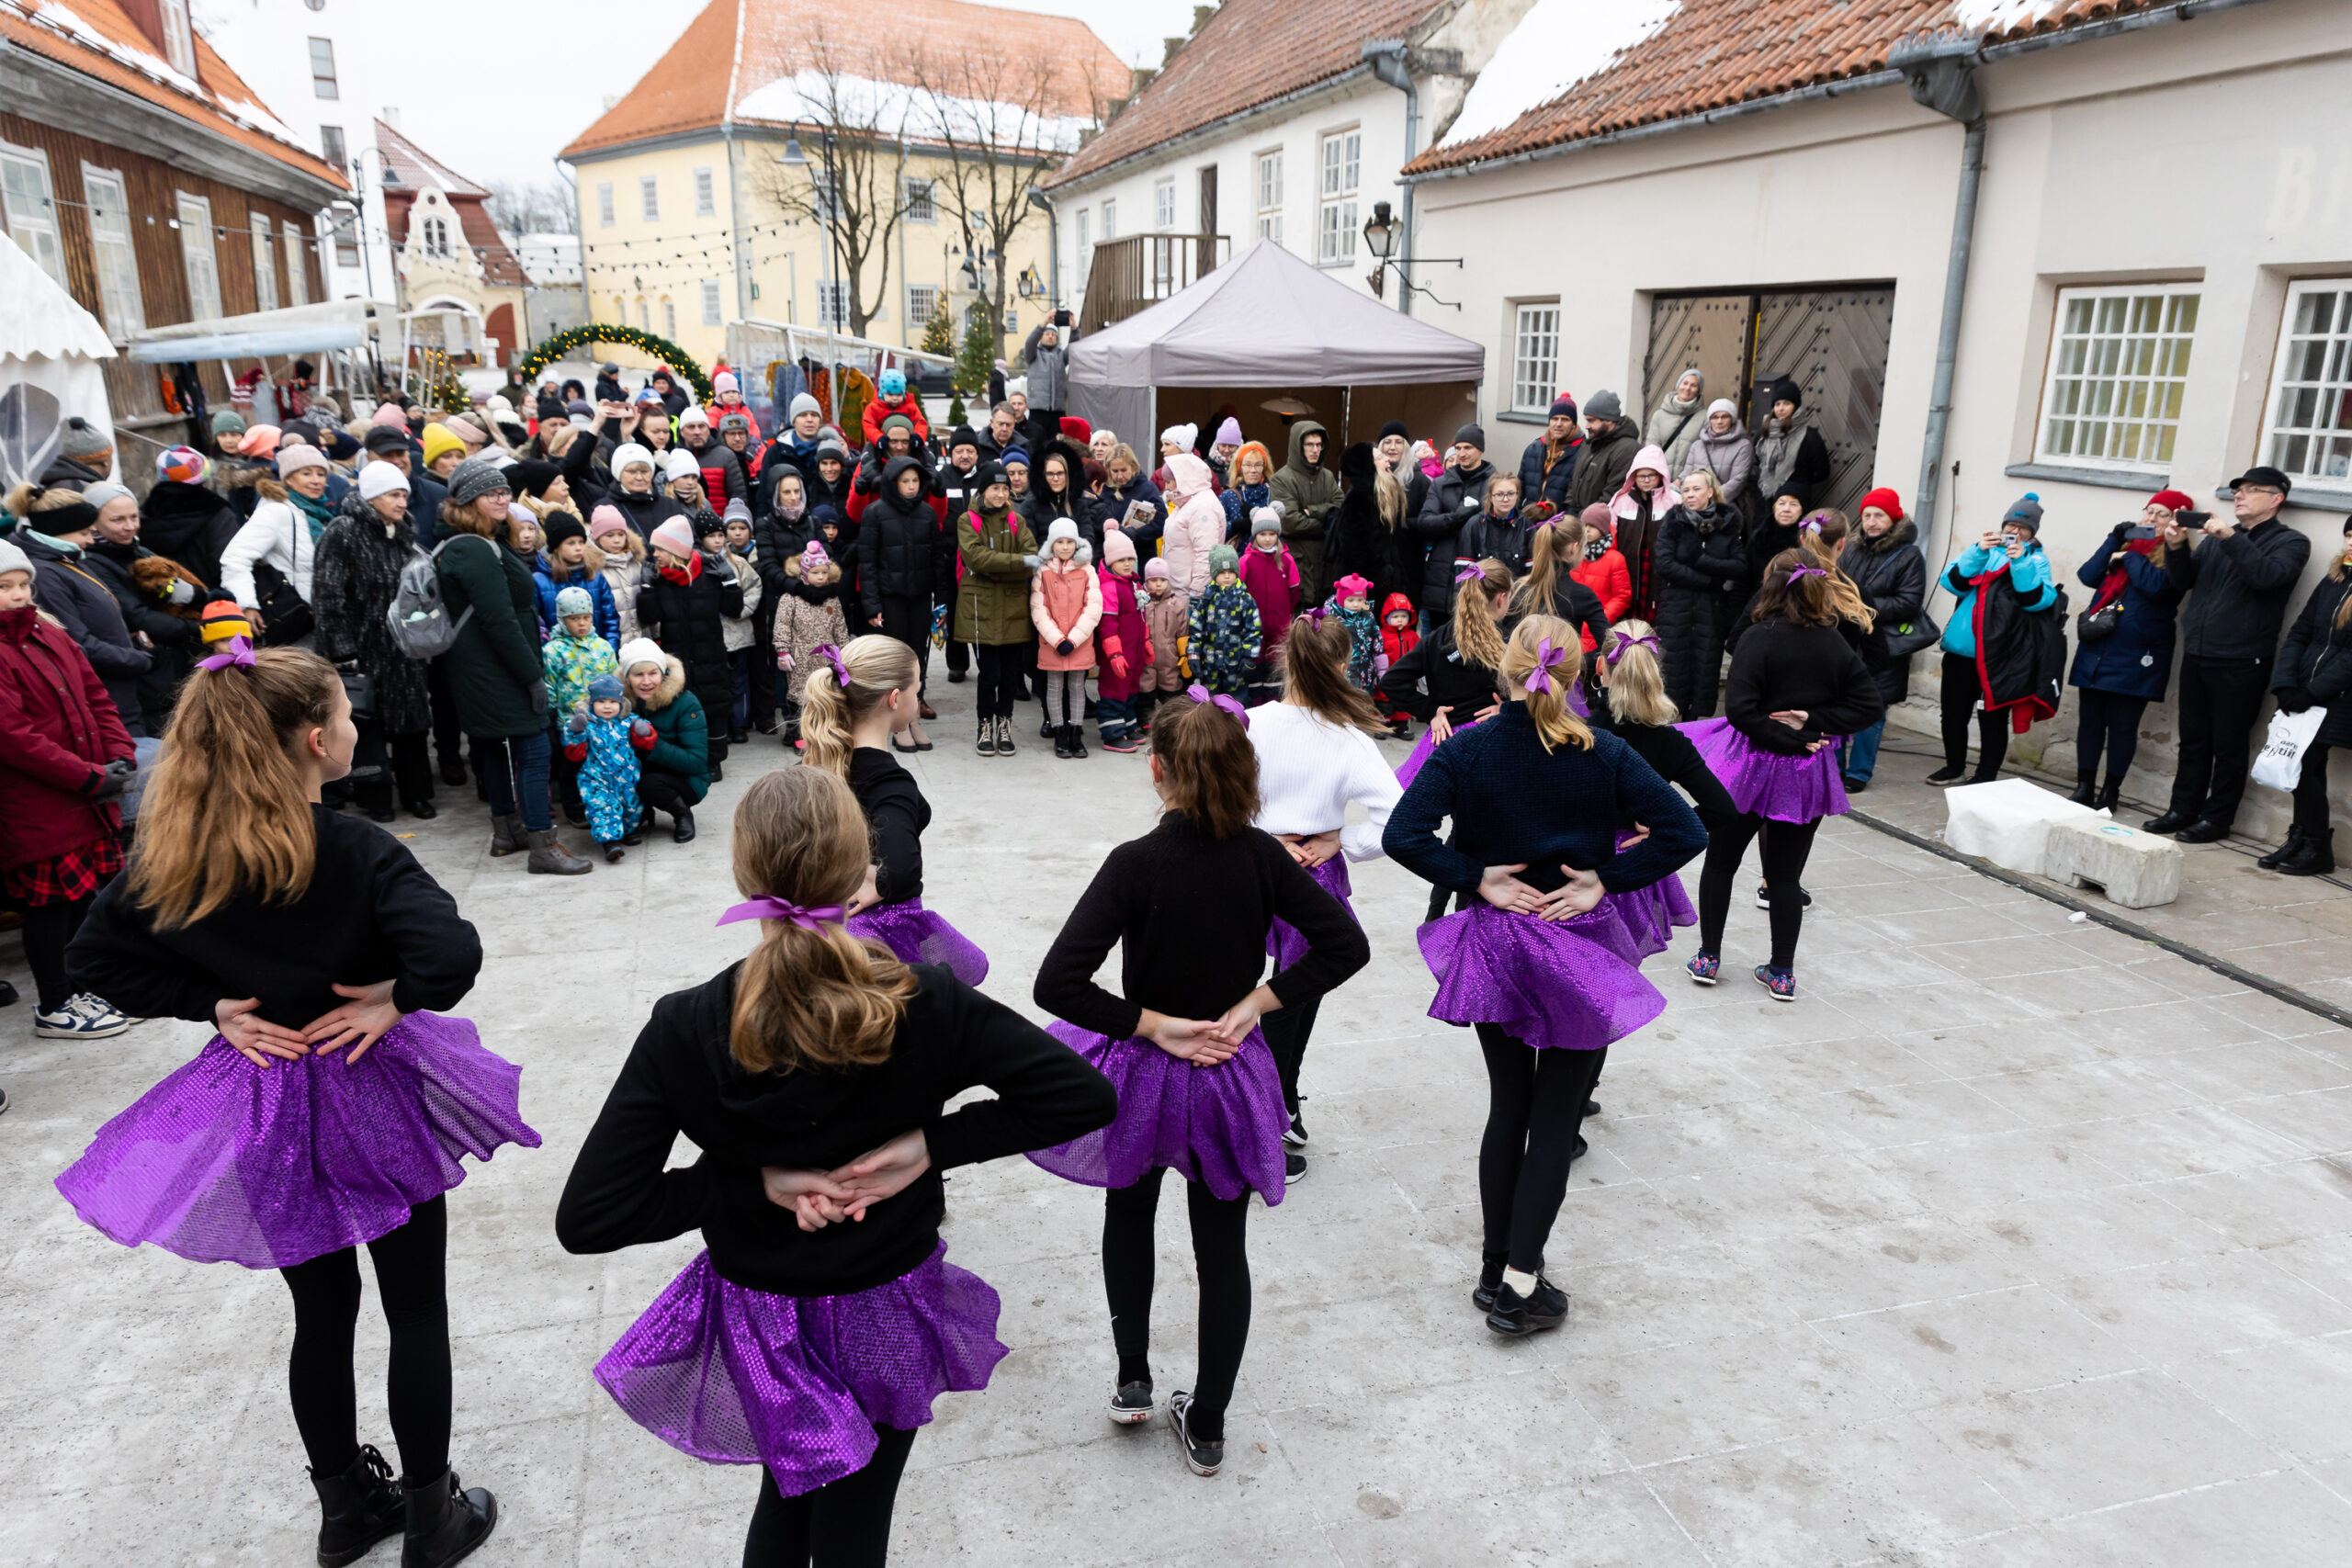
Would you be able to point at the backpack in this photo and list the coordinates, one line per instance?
(420, 622)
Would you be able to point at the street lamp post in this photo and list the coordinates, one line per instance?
(1381, 234)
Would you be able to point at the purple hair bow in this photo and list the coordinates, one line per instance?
(1540, 677)
(1617, 649)
(1797, 571)
(1467, 572)
(781, 910)
(237, 651)
(833, 656)
(1200, 693)
(1810, 524)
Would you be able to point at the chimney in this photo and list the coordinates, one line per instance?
(1174, 44)
(390, 115)
(1200, 13)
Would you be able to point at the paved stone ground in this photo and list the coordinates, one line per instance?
(2008, 1244)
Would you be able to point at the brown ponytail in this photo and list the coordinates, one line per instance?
(1208, 769)
(1315, 670)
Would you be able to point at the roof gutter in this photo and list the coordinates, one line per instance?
(2182, 11)
(1214, 127)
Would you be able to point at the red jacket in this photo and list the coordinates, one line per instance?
(1121, 635)
(58, 731)
(883, 407)
(1398, 641)
(1609, 583)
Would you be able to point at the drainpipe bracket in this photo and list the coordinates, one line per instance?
(1940, 67)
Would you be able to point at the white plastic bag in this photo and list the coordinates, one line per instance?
(2281, 764)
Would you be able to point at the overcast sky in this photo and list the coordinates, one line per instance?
(498, 88)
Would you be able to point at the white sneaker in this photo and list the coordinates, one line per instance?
(82, 1018)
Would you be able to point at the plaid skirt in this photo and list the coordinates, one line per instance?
(68, 878)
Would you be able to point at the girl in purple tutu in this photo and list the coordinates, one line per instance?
(1316, 754)
(1191, 904)
(822, 1319)
(1544, 975)
(1634, 706)
(331, 1108)
(1796, 685)
(856, 698)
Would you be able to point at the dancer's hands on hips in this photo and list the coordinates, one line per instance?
(1238, 1020)
(1578, 896)
(868, 893)
(1502, 888)
(358, 1023)
(1440, 726)
(255, 1037)
(1186, 1039)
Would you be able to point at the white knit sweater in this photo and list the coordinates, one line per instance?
(1308, 771)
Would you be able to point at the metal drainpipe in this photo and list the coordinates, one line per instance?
(1052, 248)
(1939, 70)
(1388, 63)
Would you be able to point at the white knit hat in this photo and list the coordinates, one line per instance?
(381, 478)
(14, 559)
(642, 651)
(675, 535)
(682, 466)
(629, 452)
(693, 414)
(292, 461)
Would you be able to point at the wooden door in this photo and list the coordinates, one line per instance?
(1708, 333)
(1832, 342)
(1208, 200)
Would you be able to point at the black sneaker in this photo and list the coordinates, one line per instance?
(1764, 903)
(1490, 1280)
(1943, 776)
(1131, 1407)
(1293, 1165)
(1520, 1315)
(1204, 1458)
(1295, 1134)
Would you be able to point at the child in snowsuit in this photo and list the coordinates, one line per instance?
(1124, 644)
(1350, 602)
(1167, 617)
(807, 617)
(1398, 637)
(602, 741)
(1271, 577)
(1224, 629)
(574, 656)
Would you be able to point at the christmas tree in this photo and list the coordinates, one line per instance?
(978, 357)
(939, 332)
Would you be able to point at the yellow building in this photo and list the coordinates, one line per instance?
(698, 205)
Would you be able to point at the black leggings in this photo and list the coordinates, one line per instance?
(1784, 848)
(1286, 1030)
(1221, 1257)
(1004, 673)
(48, 930)
(411, 1281)
(843, 1524)
(1534, 1102)
(1961, 693)
(906, 619)
(2108, 724)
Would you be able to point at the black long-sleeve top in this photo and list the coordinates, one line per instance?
(681, 1078)
(897, 812)
(1670, 753)
(371, 913)
(1438, 674)
(1190, 913)
(1512, 801)
(1779, 666)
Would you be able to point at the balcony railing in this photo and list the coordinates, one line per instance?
(1140, 270)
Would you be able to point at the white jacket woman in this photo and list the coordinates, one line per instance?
(1194, 528)
(277, 535)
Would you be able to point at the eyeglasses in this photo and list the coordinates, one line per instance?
(2257, 490)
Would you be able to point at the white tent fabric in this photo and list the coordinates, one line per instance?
(50, 342)
(1266, 318)
(297, 329)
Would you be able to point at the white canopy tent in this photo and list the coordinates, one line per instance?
(298, 329)
(49, 349)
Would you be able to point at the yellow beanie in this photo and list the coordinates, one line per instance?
(440, 439)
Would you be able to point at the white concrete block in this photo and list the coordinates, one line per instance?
(2006, 820)
(2134, 869)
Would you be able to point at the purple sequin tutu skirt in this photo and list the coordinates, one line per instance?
(1220, 1126)
(1574, 985)
(732, 1375)
(1784, 788)
(1283, 945)
(1420, 753)
(917, 935)
(1650, 914)
(270, 1167)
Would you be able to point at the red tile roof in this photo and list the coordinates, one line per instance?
(418, 169)
(1713, 53)
(1246, 53)
(98, 40)
(734, 47)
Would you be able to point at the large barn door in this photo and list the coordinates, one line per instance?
(1706, 332)
(1833, 343)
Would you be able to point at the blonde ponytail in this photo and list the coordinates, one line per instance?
(877, 666)
(1474, 631)
(1636, 685)
(1555, 722)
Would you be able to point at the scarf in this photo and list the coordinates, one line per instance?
(684, 576)
(792, 513)
(2112, 586)
(1596, 545)
(65, 548)
(317, 514)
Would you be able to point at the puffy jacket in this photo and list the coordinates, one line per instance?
(2241, 586)
(1506, 539)
(680, 729)
(1106, 512)
(58, 731)
(2317, 657)
(2009, 616)
(1601, 469)
(1195, 527)
(1536, 483)
(992, 604)
(1730, 457)
(2135, 660)
(2028, 575)
(73, 590)
(1066, 604)
(607, 612)
(724, 476)
(882, 408)
(1700, 563)
(1309, 494)
(1454, 498)
(1892, 577)
(494, 665)
(902, 550)
(276, 535)
(1121, 635)
(689, 620)
(1637, 525)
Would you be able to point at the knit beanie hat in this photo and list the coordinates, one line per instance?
(338, 444)
(466, 430)
(2026, 512)
(899, 422)
(1471, 435)
(229, 422)
(724, 382)
(1563, 405)
(602, 688)
(1077, 430)
(292, 461)
(681, 465)
(224, 619)
(604, 519)
(1154, 568)
(1265, 519)
(833, 445)
(1117, 546)
(99, 494)
(2170, 500)
(610, 367)
(894, 383)
(692, 414)
(738, 511)
(629, 452)
(475, 478)
(381, 478)
(558, 526)
(804, 403)
(439, 441)
(813, 556)
(1228, 434)
(675, 535)
(961, 437)
(1604, 404)
(531, 476)
(260, 441)
(182, 465)
(14, 559)
(82, 439)
(1225, 558)
(1350, 586)
(642, 651)
(1886, 500)
(1063, 528)
(574, 601)
(1723, 405)
(1596, 519)
(1396, 427)
(1015, 455)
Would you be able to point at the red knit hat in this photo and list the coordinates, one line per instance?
(2172, 500)
(1886, 500)
(1077, 428)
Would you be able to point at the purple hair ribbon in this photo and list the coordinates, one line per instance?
(1540, 677)
(1200, 693)
(1467, 572)
(1617, 649)
(237, 651)
(1797, 571)
(807, 919)
(833, 656)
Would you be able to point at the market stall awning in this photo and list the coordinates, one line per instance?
(297, 329)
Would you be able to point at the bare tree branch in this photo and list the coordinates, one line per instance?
(532, 206)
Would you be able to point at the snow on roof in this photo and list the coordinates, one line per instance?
(862, 103)
(2000, 15)
(1556, 45)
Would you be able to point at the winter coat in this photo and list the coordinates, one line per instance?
(191, 523)
(1362, 541)
(1606, 576)
(1066, 604)
(1674, 425)
(1537, 482)
(1396, 642)
(648, 510)
(681, 732)
(569, 663)
(139, 579)
(1109, 509)
(992, 604)
(1892, 577)
(2241, 588)
(1601, 470)
(1637, 526)
(623, 578)
(1223, 639)
(1169, 620)
(1193, 530)
(358, 571)
(1274, 583)
(545, 586)
(607, 752)
(1048, 369)
(1239, 501)
(2135, 660)
(494, 671)
(689, 620)
(724, 476)
(276, 535)
(807, 619)
(1506, 539)
(1433, 674)
(882, 408)
(74, 592)
(58, 731)
(2028, 575)
(1798, 457)
(1121, 636)
(2011, 620)
(1363, 641)
(742, 630)
(1454, 498)
(902, 551)
(1730, 457)
(1701, 568)
(2316, 658)
(1309, 496)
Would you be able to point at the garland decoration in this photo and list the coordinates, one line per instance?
(660, 348)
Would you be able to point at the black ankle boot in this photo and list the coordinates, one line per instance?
(445, 1524)
(2086, 788)
(2278, 857)
(2313, 857)
(361, 1506)
(2110, 797)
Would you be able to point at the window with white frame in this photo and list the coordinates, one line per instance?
(1110, 221)
(434, 233)
(2119, 361)
(604, 216)
(322, 79)
(1534, 354)
(644, 315)
(1163, 206)
(258, 225)
(298, 263)
(31, 207)
(179, 41)
(712, 314)
(117, 264)
(832, 306)
(1267, 187)
(649, 199)
(199, 258)
(923, 303)
(706, 193)
(1342, 162)
(922, 201)
(2308, 427)
(669, 317)
(331, 144)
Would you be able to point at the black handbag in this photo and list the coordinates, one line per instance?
(2096, 625)
(285, 618)
(1912, 636)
